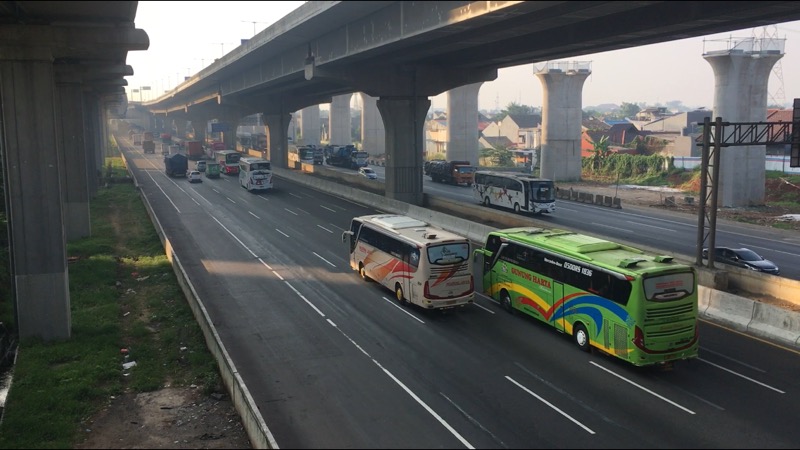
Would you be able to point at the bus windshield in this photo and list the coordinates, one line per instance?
(542, 190)
(448, 253)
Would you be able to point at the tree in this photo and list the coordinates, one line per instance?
(498, 156)
(629, 109)
(514, 108)
(600, 150)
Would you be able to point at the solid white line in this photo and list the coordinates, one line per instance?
(234, 236)
(589, 430)
(393, 303)
(281, 232)
(165, 194)
(254, 215)
(320, 257)
(305, 299)
(329, 231)
(643, 388)
(405, 388)
(742, 376)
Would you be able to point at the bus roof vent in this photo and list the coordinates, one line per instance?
(630, 262)
(663, 259)
(429, 235)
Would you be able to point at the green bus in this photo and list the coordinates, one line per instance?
(632, 305)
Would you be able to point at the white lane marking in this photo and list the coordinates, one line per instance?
(329, 209)
(291, 211)
(651, 226)
(305, 299)
(393, 303)
(234, 236)
(320, 257)
(251, 213)
(611, 227)
(281, 232)
(642, 388)
(742, 376)
(587, 429)
(329, 231)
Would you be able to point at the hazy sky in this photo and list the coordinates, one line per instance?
(185, 37)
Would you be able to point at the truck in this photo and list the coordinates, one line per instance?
(319, 156)
(166, 138)
(176, 165)
(148, 145)
(346, 156)
(451, 172)
(194, 150)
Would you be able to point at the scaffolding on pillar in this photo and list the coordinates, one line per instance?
(715, 137)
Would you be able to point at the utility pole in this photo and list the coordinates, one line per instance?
(254, 24)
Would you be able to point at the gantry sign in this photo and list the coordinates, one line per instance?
(727, 134)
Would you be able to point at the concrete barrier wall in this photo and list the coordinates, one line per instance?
(252, 421)
(739, 313)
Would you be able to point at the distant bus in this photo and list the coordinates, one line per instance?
(633, 305)
(228, 161)
(515, 191)
(302, 154)
(255, 174)
(421, 264)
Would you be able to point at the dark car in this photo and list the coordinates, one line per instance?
(743, 257)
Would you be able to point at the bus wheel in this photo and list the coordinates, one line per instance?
(516, 208)
(363, 272)
(486, 201)
(505, 302)
(398, 292)
(581, 337)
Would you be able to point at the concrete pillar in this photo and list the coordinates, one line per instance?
(462, 123)
(310, 125)
(404, 119)
(340, 120)
(91, 141)
(562, 117)
(75, 179)
(373, 133)
(200, 124)
(740, 95)
(33, 194)
(277, 127)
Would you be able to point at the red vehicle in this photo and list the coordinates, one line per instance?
(194, 150)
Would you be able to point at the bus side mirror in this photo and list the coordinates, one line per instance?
(345, 234)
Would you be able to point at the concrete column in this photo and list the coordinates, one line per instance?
(740, 95)
(404, 119)
(340, 120)
(33, 194)
(462, 123)
(200, 124)
(91, 141)
(310, 125)
(561, 122)
(373, 133)
(277, 127)
(75, 179)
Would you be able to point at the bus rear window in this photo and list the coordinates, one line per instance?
(448, 253)
(670, 287)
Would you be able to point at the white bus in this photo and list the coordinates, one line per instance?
(423, 265)
(255, 174)
(516, 191)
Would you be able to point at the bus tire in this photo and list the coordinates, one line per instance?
(486, 201)
(581, 336)
(517, 209)
(398, 293)
(363, 272)
(505, 302)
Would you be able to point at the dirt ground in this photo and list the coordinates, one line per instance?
(168, 418)
(185, 418)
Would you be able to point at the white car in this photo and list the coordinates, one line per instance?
(368, 173)
(194, 176)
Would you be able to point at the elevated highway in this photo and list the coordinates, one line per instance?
(405, 52)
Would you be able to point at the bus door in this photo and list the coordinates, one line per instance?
(411, 257)
(559, 321)
(490, 272)
(351, 238)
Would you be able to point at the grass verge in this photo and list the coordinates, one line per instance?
(126, 307)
